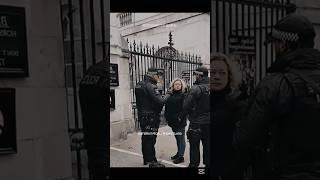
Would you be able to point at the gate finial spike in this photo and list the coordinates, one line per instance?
(170, 40)
(134, 45)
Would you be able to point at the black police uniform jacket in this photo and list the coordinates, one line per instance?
(197, 102)
(284, 112)
(148, 98)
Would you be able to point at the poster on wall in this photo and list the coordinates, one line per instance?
(114, 75)
(13, 42)
(112, 100)
(8, 142)
(243, 51)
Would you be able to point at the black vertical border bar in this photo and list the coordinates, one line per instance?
(271, 26)
(250, 57)
(93, 38)
(224, 25)
(282, 8)
(255, 39)
(103, 30)
(249, 19)
(217, 26)
(83, 40)
(260, 41)
(277, 12)
(237, 18)
(266, 34)
(242, 19)
(230, 20)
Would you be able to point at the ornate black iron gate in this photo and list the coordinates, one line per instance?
(240, 29)
(85, 39)
(168, 60)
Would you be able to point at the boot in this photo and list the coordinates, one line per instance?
(174, 157)
(149, 162)
(178, 160)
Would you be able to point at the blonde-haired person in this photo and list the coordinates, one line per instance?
(227, 110)
(223, 74)
(173, 115)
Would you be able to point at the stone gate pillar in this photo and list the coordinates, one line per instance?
(121, 117)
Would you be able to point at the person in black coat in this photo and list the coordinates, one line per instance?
(173, 115)
(149, 105)
(93, 102)
(196, 106)
(226, 110)
(282, 124)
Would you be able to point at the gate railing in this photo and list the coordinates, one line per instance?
(241, 30)
(171, 62)
(85, 40)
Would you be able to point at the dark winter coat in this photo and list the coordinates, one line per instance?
(148, 97)
(197, 102)
(173, 110)
(226, 111)
(283, 111)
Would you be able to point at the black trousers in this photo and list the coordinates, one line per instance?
(149, 128)
(195, 134)
(95, 127)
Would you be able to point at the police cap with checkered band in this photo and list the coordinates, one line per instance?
(293, 28)
(202, 70)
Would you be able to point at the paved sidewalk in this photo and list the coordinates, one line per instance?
(128, 153)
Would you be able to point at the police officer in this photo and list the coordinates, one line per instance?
(93, 101)
(284, 112)
(197, 106)
(149, 105)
